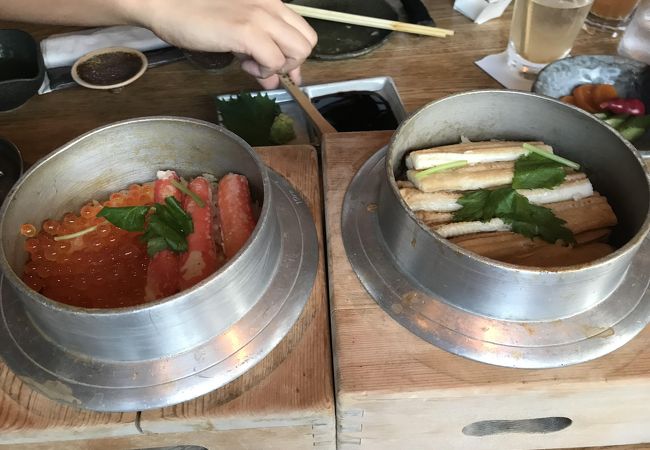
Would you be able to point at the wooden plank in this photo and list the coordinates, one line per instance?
(292, 387)
(286, 401)
(394, 389)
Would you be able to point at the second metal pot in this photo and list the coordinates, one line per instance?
(490, 288)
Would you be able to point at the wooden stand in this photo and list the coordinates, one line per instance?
(285, 402)
(394, 390)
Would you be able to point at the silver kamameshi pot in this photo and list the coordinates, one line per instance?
(176, 348)
(491, 288)
(483, 309)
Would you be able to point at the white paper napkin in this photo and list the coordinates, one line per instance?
(64, 49)
(497, 67)
(480, 11)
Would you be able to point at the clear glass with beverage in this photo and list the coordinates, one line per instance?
(610, 15)
(635, 42)
(543, 31)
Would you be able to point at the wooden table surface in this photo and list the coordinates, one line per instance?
(423, 69)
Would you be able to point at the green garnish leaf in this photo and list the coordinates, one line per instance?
(155, 245)
(440, 168)
(473, 205)
(164, 226)
(129, 218)
(541, 152)
(534, 171)
(185, 190)
(514, 209)
(181, 217)
(250, 117)
(175, 240)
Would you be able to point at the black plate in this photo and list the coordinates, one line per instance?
(340, 41)
(11, 167)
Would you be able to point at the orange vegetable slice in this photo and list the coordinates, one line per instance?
(583, 96)
(602, 93)
(570, 99)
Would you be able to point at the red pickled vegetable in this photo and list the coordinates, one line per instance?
(200, 260)
(629, 106)
(163, 273)
(235, 212)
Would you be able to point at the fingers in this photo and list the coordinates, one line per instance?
(296, 76)
(273, 37)
(300, 24)
(269, 82)
(278, 47)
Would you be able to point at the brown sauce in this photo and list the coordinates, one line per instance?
(109, 68)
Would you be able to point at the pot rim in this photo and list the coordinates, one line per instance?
(6, 271)
(630, 246)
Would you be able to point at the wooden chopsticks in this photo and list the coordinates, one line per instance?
(303, 101)
(354, 19)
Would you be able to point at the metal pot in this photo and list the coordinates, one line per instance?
(264, 286)
(503, 291)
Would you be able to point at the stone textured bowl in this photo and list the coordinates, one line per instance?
(561, 77)
(627, 75)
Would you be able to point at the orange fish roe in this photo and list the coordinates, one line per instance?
(105, 268)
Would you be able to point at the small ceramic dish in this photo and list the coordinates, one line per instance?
(109, 68)
(562, 76)
(631, 79)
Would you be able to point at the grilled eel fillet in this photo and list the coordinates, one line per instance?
(434, 199)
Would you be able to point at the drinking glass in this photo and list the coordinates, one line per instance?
(610, 15)
(635, 42)
(543, 31)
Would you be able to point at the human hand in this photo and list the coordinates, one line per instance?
(268, 37)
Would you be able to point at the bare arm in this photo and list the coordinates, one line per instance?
(69, 12)
(271, 37)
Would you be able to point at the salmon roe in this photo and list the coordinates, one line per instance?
(103, 268)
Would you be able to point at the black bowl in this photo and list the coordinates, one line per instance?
(21, 68)
(11, 167)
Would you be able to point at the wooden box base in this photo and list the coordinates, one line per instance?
(284, 402)
(394, 390)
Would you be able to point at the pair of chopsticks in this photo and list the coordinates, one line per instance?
(354, 19)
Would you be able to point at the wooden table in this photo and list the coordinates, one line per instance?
(423, 69)
(284, 402)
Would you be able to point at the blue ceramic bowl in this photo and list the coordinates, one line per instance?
(561, 77)
(21, 68)
(631, 79)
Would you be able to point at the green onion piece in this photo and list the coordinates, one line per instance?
(551, 156)
(440, 168)
(65, 237)
(181, 187)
